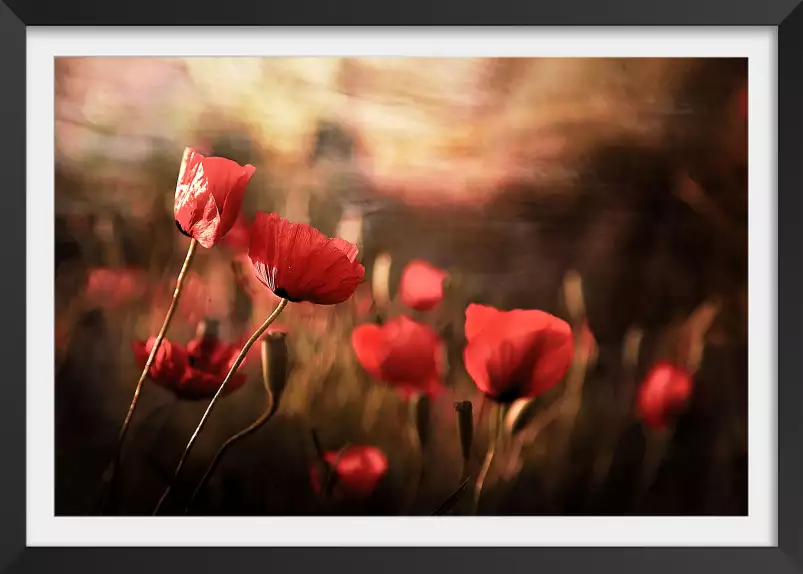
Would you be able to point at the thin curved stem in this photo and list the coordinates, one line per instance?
(501, 411)
(486, 466)
(270, 409)
(447, 504)
(111, 470)
(237, 362)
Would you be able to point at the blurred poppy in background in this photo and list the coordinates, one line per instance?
(663, 394)
(111, 288)
(401, 352)
(356, 471)
(209, 194)
(516, 354)
(421, 285)
(238, 237)
(192, 372)
(299, 263)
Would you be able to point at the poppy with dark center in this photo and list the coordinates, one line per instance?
(192, 372)
(516, 354)
(663, 394)
(421, 285)
(403, 353)
(299, 263)
(209, 193)
(355, 472)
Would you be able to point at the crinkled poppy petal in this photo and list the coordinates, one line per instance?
(421, 286)
(228, 181)
(368, 343)
(191, 191)
(348, 249)
(330, 276)
(209, 193)
(478, 317)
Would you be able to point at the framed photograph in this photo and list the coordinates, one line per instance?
(492, 290)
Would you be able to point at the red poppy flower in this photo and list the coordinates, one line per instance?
(192, 372)
(357, 471)
(209, 194)
(421, 286)
(401, 352)
(664, 392)
(516, 354)
(299, 263)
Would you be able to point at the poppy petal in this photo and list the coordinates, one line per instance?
(299, 263)
(209, 194)
(478, 318)
(368, 341)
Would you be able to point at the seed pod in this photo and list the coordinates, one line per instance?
(465, 427)
(275, 363)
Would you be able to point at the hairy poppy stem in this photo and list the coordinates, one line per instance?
(270, 409)
(237, 362)
(111, 470)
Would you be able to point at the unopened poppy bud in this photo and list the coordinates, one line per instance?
(208, 328)
(465, 427)
(275, 363)
(420, 415)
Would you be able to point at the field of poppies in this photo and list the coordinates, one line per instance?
(578, 353)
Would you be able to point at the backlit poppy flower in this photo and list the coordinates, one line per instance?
(664, 392)
(209, 193)
(516, 354)
(192, 372)
(299, 263)
(401, 352)
(421, 285)
(356, 471)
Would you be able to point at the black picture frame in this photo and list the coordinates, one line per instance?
(787, 15)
